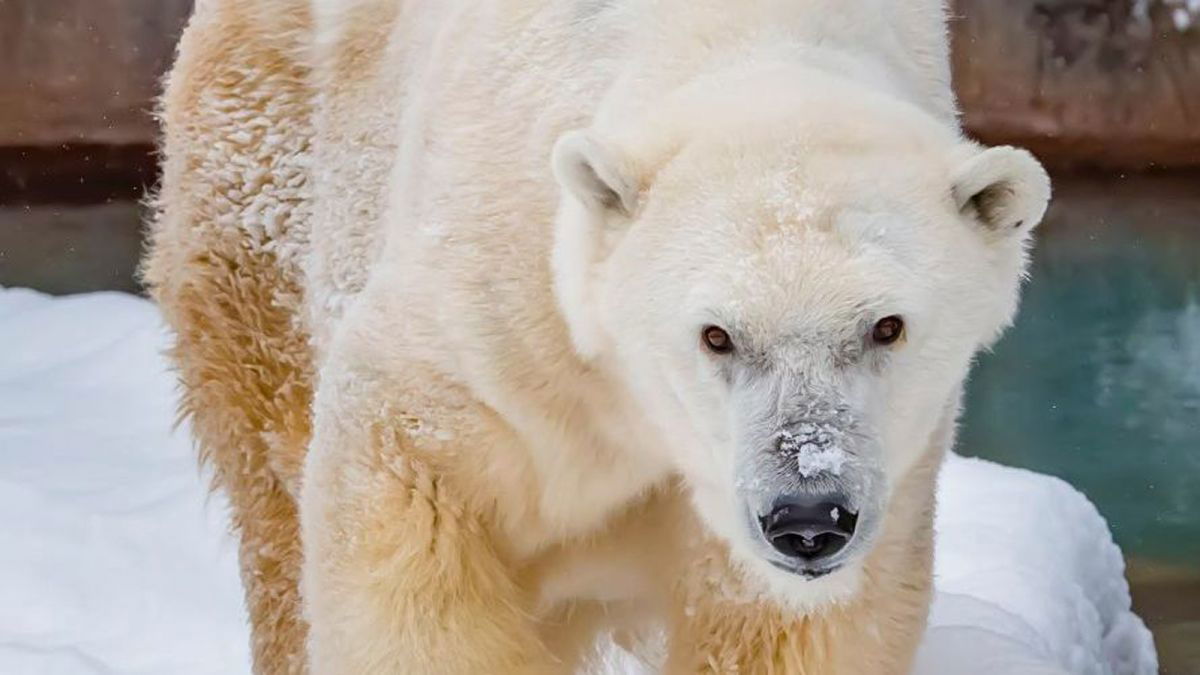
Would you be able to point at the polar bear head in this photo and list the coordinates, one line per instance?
(795, 297)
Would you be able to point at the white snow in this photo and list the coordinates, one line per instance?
(112, 558)
(812, 460)
(1028, 580)
(114, 561)
(816, 449)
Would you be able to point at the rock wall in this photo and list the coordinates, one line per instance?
(83, 71)
(1108, 83)
(1113, 83)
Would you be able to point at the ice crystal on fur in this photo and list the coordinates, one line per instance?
(816, 448)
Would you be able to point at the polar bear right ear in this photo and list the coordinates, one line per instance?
(1004, 187)
(594, 174)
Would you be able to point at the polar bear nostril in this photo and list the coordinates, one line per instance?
(800, 546)
(809, 529)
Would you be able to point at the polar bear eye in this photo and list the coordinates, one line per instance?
(888, 330)
(717, 340)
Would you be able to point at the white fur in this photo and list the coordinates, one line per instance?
(791, 168)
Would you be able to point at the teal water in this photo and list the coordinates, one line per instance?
(1099, 380)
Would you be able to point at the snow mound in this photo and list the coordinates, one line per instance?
(1028, 580)
(112, 559)
(115, 561)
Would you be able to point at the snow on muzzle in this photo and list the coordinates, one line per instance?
(813, 488)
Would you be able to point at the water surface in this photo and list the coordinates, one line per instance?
(1099, 380)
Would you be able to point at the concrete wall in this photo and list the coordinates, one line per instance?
(83, 70)
(1109, 83)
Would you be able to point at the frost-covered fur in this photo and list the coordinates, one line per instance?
(474, 245)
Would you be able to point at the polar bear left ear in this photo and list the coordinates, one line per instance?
(594, 174)
(600, 194)
(1004, 187)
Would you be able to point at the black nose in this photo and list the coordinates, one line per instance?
(810, 529)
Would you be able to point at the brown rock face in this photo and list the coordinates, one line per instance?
(83, 70)
(1110, 83)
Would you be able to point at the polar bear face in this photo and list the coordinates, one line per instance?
(797, 316)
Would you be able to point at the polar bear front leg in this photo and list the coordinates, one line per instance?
(400, 575)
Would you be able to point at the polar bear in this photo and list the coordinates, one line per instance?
(507, 325)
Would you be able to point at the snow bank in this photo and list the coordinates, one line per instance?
(1028, 580)
(113, 561)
